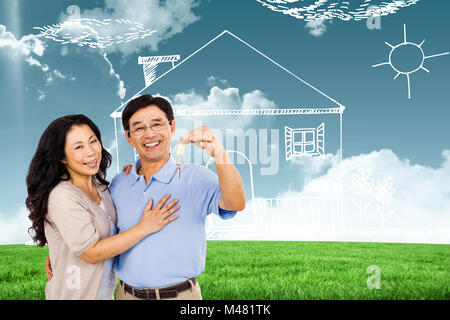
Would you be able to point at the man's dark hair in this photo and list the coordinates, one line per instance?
(142, 102)
(133, 106)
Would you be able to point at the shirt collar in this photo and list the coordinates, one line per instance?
(165, 174)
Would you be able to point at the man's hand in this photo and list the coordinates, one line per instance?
(48, 269)
(230, 182)
(204, 138)
(127, 168)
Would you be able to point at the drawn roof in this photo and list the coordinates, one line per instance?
(118, 112)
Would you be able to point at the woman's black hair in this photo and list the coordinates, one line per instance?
(46, 170)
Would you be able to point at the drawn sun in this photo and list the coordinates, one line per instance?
(413, 50)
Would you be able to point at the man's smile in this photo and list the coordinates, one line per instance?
(151, 145)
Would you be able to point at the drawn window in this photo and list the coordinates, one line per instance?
(304, 141)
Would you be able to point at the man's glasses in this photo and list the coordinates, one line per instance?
(155, 126)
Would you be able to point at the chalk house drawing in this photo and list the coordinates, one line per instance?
(263, 215)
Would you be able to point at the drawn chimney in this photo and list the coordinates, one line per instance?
(149, 65)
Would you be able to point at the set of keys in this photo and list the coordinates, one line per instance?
(180, 152)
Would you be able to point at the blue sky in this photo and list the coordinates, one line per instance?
(76, 79)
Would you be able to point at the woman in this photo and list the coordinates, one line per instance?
(71, 210)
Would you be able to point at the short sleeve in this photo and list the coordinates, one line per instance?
(114, 183)
(210, 193)
(226, 214)
(72, 220)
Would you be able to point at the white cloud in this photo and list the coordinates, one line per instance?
(14, 228)
(256, 100)
(211, 81)
(25, 47)
(33, 62)
(58, 74)
(64, 51)
(317, 27)
(33, 43)
(42, 94)
(313, 167)
(228, 98)
(111, 147)
(168, 17)
(121, 92)
(414, 199)
(30, 48)
(50, 77)
(418, 195)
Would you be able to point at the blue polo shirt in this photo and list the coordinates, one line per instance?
(177, 252)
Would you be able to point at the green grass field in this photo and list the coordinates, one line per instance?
(279, 270)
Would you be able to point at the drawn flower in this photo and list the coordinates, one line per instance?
(384, 190)
(362, 181)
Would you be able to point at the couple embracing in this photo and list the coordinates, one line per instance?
(147, 227)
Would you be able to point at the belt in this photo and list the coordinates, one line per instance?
(164, 293)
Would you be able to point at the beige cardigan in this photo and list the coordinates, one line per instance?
(77, 224)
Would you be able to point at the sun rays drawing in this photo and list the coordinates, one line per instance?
(418, 64)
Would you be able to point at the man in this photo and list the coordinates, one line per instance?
(164, 264)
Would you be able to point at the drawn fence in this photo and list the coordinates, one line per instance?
(286, 215)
